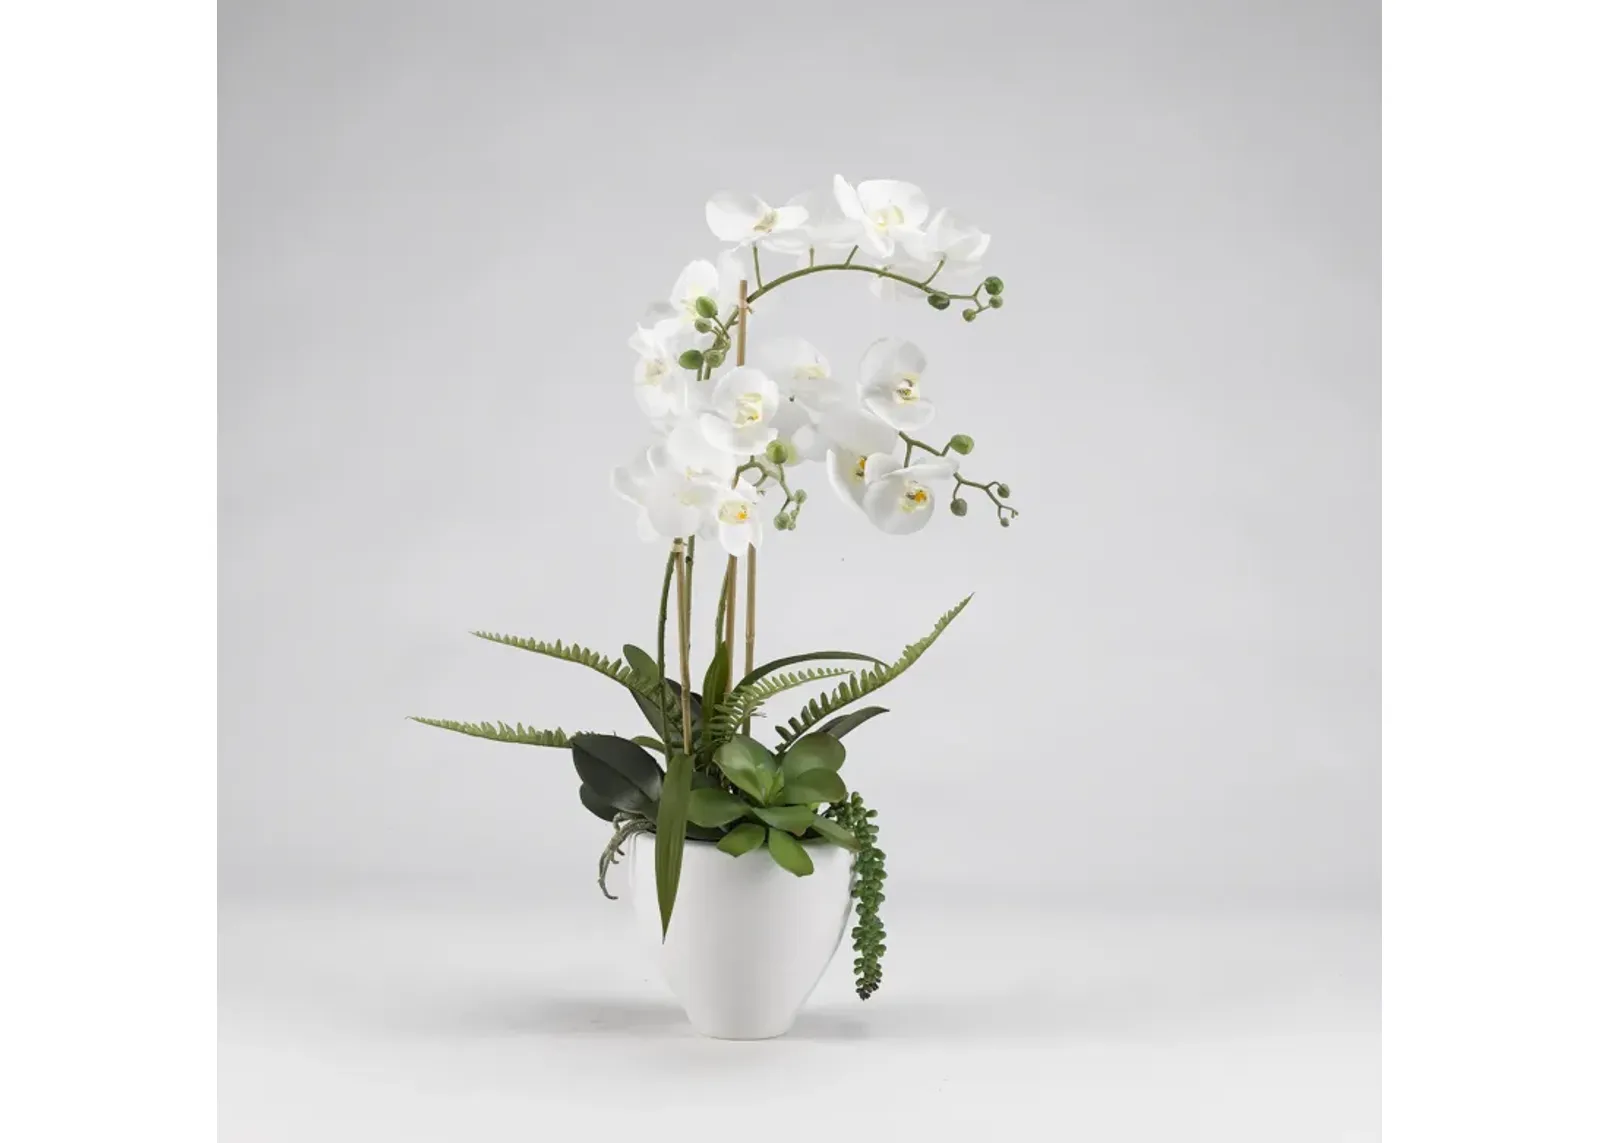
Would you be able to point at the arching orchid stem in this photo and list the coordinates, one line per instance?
(755, 263)
(991, 489)
(975, 296)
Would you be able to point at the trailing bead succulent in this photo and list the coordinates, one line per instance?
(731, 441)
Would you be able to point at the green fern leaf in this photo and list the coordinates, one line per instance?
(742, 702)
(613, 669)
(500, 731)
(865, 682)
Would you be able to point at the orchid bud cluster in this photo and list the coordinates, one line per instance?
(728, 434)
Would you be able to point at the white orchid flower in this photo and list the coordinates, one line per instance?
(853, 437)
(733, 518)
(746, 219)
(660, 384)
(885, 211)
(718, 281)
(806, 388)
(826, 231)
(901, 499)
(891, 383)
(742, 409)
(634, 480)
(689, 452)
(950, 240)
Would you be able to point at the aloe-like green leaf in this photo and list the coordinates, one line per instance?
(845, 723)
(748, 765)
(500, 731)
(715, 683)
(836, 833)
(671, 823)
(742, 839)
(815, 751)
(766, 669)
(819, 785)
(642, 662)
(618, 771)
(795, 819)
(864, 682)
(649, 704)
(712, 807)
(789, 853)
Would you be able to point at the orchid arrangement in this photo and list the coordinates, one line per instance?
(732, 442)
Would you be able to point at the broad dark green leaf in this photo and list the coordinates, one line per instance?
(819, 785)
(836, 833)
(650, 744)
(748, 765)
(642, 661)
(716, 679)
(845, 723)
(618, 771)
(595, 804)
(742, 839)
(670, 825)
(815, 751)
(795, 819)
(789, 853)
(673, 730)
(712, 808)
(766, 669)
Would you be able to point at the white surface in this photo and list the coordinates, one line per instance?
(748, 941)
(355, 1022)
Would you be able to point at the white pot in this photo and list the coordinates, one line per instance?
(749, 940)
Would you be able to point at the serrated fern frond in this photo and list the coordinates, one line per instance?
(501, 732)
(863, 683)
(742, 702)
(613, 669)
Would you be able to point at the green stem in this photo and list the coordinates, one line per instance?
(1000, 506)
(755, 262)
(661, 645)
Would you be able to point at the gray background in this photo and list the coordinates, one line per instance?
(438, 224)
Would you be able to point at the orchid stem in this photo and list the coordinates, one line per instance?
(683, 649)
(661, 641)
(749, 619)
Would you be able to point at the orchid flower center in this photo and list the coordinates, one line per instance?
(766, 223)
(747, 409)
(812, 372)
(905, 390)
(861, 468)
(734, 512)
(887, 217)
(654, 370)
(914, 497)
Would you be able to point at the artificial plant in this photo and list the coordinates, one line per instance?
(731, 441)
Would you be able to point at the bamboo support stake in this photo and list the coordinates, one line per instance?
(732, 585)
(750, 552)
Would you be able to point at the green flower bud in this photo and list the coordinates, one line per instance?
(701, 325)
(1005, 521)
(691, 359)
(1002, 490)
(715, 358)
(996, 303)
(719, 342)
(958, 506)
(800, 496)
(779, 452)
(961, 443)
(993, 286)
(939, 301)
(969, 315)
(783, 522)
(707, 308)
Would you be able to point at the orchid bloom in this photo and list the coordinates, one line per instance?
(740, 417)
(806, 388)
(826, 231)
(633, 482)
(854, 436)
(660, 384)
(900, 499)
(885, 211)
(733, 518)
(891, 383)
(949, 246)
(746, 219)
